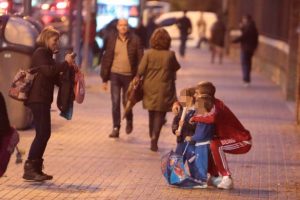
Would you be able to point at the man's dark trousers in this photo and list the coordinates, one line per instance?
(119, 83)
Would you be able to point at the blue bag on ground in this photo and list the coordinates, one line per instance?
(174, 171)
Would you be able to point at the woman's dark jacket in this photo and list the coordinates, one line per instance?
(48, 75)
(218, 31)
(249, 38)
(159, 67)
(135, 54)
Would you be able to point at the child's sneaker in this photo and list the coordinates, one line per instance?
(214, 180)
(201, 184)
(226, 183)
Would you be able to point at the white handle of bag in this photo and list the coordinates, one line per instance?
(182, 119)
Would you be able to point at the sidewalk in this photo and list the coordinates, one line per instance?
(86, 164)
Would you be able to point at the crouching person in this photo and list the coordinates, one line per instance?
(230, 137)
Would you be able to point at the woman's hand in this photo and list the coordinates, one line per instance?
(104, 86)
(70, 59)
(176, 108)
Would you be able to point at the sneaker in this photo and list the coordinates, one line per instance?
(214, 180)
(201, 184)
(129, 127)
(226, 183)
(114, 133)
(246, 84)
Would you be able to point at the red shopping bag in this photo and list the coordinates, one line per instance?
(79, 87)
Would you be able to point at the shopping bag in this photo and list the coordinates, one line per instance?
(79, 87)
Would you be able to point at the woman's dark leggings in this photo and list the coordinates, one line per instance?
(156, 121)
(42, 123)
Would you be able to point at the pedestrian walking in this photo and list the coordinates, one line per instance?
(150, 28)
(119, 65)
(185, 28)
(230, 136)
(158, 69)
(217, 40)
(201, 28)
(40, 98)
(93, 47)
(249, 43)
(141, 31)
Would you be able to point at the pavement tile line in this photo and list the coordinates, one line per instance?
(86, 164)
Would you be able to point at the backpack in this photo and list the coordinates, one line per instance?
(8, 144)
(21, 85)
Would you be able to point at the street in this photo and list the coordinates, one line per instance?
(87, 164)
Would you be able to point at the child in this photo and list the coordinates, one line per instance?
(203, 134)
(186, 101)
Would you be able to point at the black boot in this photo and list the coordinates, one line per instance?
(40, 167)
(154, 141)
(33, 171)
(154, 146)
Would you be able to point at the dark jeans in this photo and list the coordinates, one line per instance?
(42, 122)
(156, 121)
(119, 83)
(182, 46)
(246, 61)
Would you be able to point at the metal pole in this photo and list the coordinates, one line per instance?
(27, 7)
(70, 27)
(86, 37)
(77, 29)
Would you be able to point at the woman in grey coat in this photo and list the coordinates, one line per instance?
(158, 68)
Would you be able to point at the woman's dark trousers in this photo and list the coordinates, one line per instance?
(156, 121)
(42, 121)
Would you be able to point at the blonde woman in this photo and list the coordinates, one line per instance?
(158, 68)
(41, 97)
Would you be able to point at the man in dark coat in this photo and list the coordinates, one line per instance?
(185, 27)
(249, 43)
(119, 65)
